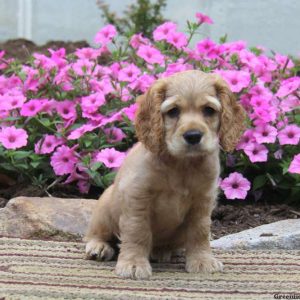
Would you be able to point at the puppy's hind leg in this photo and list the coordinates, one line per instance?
(100, 230)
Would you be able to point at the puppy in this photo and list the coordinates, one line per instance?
(165, 191)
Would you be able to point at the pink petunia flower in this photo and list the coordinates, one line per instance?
(92, 102)
(58, 57)
(31, 108)
(259, 101)
(295, 165)
(114, 135)
(256, 152)
(129, 73)
(105, 35)
(82, 67)
(177, 39)
(142, 83)
(235, 186)
(205, 46)
(259, 90)
(63, 160)
(264, 114)
(246, 139)
(202, 18)
(150, 54)
(284, 61)
(110, 157)
(48, 106)
(66, 109)
(289, 103)
(47, 144)
(88, 53)
(163, 31)
(32, 81)
(12, 100)
(2, 65)
(43, 61)
(13, 138)
(267, 63)
(94, 116)
(104, 86)
(63, 78)
(265, 134)
(290, 135)
(177, 66)
(288, 86)
(79, 173)
(125, 95)
(248, 58)
(80, 131)
(262, 73)
(237, 80)
(83, 186)
(137, 40)
(234, 47)
(130, 111)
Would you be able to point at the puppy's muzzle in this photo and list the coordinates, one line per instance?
(193, 137)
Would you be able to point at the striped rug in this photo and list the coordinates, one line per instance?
(33, 269)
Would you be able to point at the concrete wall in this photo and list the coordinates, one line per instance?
(271, 23)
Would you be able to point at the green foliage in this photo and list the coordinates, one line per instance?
(141, 17)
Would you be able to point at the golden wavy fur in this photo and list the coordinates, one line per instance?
(166, 189)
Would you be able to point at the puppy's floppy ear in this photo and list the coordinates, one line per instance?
(149, 120)
(233, 116)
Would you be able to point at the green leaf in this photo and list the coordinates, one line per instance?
(297, 118)
(21, 154)
(35, 164)
(223, 39)
(96, 177)
(259, 181)
(7, 167)
(109, 178)
(11, 119)
(22, 166)
(285, 166)
(46, 122)
(87, 143)
(86, 159)
(96, 166)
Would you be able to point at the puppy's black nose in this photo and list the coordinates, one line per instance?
(192, 137)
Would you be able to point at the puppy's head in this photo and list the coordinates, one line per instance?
(188, 115)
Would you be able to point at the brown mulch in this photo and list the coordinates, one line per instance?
(230, 218)
(21, 49)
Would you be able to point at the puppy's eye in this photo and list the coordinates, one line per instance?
(173, 113)
(208, 111)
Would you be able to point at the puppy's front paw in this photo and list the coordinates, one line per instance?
(134, 269)
(98, 250)
(203, 264)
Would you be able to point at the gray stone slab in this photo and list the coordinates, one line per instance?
(45, 217)
(279, 235)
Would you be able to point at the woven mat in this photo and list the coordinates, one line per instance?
(32, 269)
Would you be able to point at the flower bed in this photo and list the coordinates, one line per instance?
(68, 119)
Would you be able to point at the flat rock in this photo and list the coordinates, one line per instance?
(279, 235)
(47, 217)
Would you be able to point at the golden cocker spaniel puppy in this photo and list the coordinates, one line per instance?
(166, 189)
